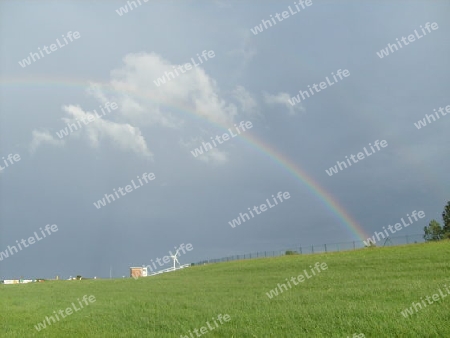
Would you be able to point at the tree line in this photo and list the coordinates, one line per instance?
(435, 231)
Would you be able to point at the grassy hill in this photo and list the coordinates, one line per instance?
(362, 291)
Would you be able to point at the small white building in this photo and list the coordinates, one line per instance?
(17, 281)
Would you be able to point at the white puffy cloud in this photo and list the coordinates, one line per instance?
(123, 135)
(153, 92)
(40, 137)
(136, 85)
(283, 99)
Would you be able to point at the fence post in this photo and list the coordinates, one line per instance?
(265, 253)
(407, 241)
(353, 245)
(300, 249)
(312, 248)
(325, 248)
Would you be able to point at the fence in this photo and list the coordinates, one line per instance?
(169, 269)
(311, 249)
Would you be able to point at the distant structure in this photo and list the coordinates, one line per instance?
(175, 260)
(17, 281)
(136, 272)
(174, 268)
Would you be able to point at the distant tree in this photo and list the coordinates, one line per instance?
(446, 220)
(291, 252)
(433, 232)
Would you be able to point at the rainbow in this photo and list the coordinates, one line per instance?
(327, 200)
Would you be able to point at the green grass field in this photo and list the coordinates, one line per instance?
(362, 291)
